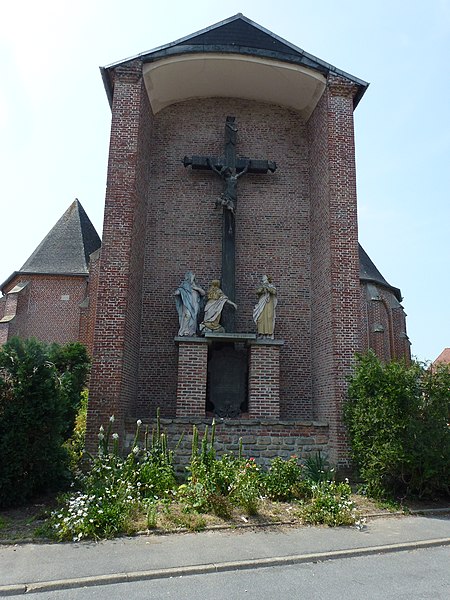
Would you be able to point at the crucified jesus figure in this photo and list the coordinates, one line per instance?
(230, 177)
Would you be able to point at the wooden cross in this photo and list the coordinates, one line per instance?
(229, 169)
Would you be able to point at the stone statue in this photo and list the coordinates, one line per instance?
(264, 311)
(187, 300)
(213, 309)
(230, 177)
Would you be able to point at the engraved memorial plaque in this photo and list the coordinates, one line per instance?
(227, 380)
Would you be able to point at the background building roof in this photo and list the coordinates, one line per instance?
(369, 272)
(443, 358)
(66, 248)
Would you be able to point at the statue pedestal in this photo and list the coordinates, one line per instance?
(231, 374)
(192, 373)
(264, 379)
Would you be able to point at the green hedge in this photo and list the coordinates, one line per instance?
(40, 392)
(397, 416)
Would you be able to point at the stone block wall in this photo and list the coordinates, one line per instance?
(262, 439)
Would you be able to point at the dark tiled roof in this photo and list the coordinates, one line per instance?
(369, 272)
(240, 32)
(67, 246)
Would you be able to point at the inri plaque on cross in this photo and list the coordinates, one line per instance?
(229, 168)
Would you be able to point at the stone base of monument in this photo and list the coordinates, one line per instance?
(262, 439)
(228, 375)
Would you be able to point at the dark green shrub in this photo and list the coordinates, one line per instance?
(34, 420)
(72, 363)
(397, 418)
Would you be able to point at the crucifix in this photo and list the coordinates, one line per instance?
(229, 168)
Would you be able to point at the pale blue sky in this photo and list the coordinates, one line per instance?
(54, 121)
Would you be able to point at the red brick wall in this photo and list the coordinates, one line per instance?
(114, 374)
(191, 380)
(334, 257)
(89, 311)
(297, 225)
(402, 345)
(184, 233)
(383, 323)
(43, 313)
(264, 381)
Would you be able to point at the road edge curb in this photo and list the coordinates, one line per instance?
(96, 580)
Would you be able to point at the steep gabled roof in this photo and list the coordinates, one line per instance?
(369, 272)
(236, 35)
(66, 248)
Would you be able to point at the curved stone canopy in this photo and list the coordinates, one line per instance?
(217, 75)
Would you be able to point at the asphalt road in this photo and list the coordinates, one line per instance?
(411, 575)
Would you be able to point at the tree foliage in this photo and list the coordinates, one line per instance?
(40, 392)
(397, 416)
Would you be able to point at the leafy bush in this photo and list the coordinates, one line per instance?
(36, 417)
(75, 444)
(71, 362)
(283, 481)
(397, 418)
(246, 488)
(209, 486)
(330, 504)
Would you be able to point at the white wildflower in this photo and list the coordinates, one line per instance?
(111, 419)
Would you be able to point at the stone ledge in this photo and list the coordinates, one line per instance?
(266, 342)
(241, 422)
(190, 340)
(230, 337)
